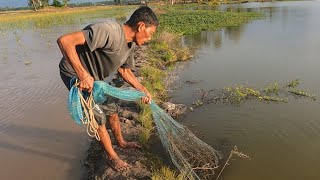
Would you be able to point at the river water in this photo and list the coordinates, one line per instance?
(38, 140)
(282, 139)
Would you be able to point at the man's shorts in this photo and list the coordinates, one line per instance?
(101, 111)
(104, 110)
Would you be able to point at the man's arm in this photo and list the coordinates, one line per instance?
(128, 76)
(67, 44)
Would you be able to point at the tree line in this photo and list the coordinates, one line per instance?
(38, 4)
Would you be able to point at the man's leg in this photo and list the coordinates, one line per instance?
(114, 160)
(116, 130)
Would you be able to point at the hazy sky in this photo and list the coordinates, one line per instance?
(22, 3)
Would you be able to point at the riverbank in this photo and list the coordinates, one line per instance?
(164, 50)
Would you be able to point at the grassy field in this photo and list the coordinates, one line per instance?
(45, 18)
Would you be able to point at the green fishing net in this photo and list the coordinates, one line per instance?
(192, 157)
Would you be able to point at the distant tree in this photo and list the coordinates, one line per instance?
(56, 3)
(45, 2)
(36, 4)
(117, 2)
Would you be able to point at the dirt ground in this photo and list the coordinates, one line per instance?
(96, 161)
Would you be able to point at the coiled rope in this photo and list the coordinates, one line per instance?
(89, 120)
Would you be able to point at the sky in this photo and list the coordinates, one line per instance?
(23, 3)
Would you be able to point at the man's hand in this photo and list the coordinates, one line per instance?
(86, 82)
(128, 76)
(146, 99)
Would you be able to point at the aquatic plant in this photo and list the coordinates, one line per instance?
(274, 99)
(302, 93)
(293, 84)
(241, 93)
(185, 22)
(271, 88)
(233, 152)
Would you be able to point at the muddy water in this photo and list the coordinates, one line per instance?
(38, 140)
(282, 139)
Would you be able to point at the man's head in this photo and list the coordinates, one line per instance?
(144, 23)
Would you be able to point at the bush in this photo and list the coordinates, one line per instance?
(56, 3)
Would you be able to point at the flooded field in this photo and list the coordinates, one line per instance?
(282, 139)
(38, 139)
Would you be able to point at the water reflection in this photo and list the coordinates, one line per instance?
(215, 38)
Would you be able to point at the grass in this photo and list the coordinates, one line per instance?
(60, 16)
(165, 173)
(145, 118)
(166, 48)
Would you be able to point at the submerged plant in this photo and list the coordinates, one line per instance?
(233, 152)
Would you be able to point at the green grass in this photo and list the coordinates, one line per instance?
(60, 16)
(145, 118)
(184, 22)
(166, 173)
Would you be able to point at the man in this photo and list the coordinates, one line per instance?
(94, 53)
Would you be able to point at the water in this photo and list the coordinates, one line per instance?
(282, 139)
(38, 139)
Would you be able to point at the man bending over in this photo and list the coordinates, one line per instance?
(97, 51)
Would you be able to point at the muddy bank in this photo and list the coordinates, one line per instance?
(96, 160)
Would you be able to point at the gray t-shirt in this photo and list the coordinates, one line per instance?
(105, 50)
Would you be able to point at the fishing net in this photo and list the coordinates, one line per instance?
(192, 157)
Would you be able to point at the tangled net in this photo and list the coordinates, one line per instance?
(192, 157)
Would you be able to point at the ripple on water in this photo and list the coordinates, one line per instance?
(23, 94)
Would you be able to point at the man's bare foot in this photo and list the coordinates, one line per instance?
(117, 164)
(132, 144)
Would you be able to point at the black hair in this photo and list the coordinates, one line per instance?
(143, 14)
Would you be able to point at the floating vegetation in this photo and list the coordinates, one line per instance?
(293, 84)
(272, 88)
(302, 93)
(192, 21)
(275, 99)
(241, 93)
